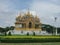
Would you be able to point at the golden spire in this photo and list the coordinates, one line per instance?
(36, 16)
(28, 12)
(20, 14)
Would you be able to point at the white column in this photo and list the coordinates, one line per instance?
(56, 30)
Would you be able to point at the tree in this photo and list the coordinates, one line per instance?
(9, 33)
(6, 29)
(1, 29)
(5, 33)
(58, 29)
(12, 28)
(47, 28)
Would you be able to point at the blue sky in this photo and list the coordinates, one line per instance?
(46, 10)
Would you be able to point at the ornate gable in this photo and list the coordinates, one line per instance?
(27, 21)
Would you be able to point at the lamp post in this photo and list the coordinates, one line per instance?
(55, 26)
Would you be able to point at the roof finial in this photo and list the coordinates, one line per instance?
(36, 16)
(28, 11)
(20, 14)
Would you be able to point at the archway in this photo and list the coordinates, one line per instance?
(30, 25)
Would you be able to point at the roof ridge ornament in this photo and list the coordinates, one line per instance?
(20, 13)
(28, 12)
(36, 16)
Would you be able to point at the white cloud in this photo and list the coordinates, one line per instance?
(26, 10)
(46, 10)
(54, 0)
(7, 13)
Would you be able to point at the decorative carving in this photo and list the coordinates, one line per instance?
(28, 21)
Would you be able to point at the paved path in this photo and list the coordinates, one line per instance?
(56, 43)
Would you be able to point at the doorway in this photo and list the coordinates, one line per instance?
(30, 25)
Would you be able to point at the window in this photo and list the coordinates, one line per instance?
(30, 25)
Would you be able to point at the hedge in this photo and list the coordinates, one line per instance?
(28, 39)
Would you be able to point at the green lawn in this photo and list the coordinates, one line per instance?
(55, 43)
(45, 36)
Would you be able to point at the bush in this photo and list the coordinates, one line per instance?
(5, 33)
(27, 33)
(34, 33)
(28, 39)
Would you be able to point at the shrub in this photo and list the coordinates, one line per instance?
(34, 33)
(27, 39)
(27, 33)
(5, 34)
(30, 40)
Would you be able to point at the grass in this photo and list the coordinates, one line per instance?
(45, 36)
(54, 43)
